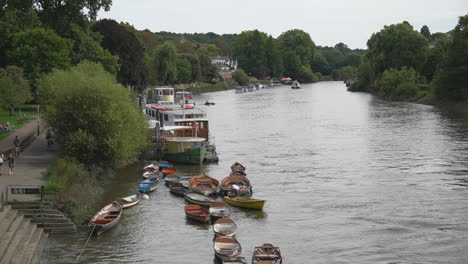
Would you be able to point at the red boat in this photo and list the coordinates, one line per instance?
(195, 212)
(168, 170)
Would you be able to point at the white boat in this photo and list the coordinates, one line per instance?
(224, 227)
(296, 85)
(129, 201)
(227, 247)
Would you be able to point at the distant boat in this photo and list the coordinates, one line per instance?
(209, 103)
(225, 227)
(198, 198)
(296, 85)
(238, 167)
(267, 253)
(148, 185)
(178, 188)
(129, 201)
(195, 212)
(106, 218)
(245, 202)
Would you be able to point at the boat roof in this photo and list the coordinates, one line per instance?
(191, 120)
(169, 128)
(163, 88)
(186, 139)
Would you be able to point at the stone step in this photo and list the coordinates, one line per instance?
(38, 216)
(25, 206)
(3, 213)
(11, 239)
(38, 240)
(49, 220)
(24, 202)
(68, 224)
(5, 225)
(60, 230)
(23, 243)
(39, 211)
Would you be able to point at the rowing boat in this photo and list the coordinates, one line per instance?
(227, 247)
(268, 254)
(195, 212)
(203, 184)
(197, 198)
(129, 201)
(148, 185)
(225, 227)
(178, 188)
(236, 260)
(168, 170)
(219, 210)
(172, 177)
(245, 202)
(106, 218)
(237, 167)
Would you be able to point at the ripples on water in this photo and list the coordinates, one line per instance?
(348, 178)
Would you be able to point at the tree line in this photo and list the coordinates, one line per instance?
(404, 64)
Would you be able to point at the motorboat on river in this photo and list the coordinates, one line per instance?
(296, 85)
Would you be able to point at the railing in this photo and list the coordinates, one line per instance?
(23, 193)
(2, 202)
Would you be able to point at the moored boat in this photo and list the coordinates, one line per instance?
(225, 227)
(148, 185)
(236, 260)
(106, 218)
(178, 188)
(296, 85)
(164, 164)
(151, 167)
(245, 202)
(203, 184)
(195, 212)
(151, 174)
(237, 167)
(172, 177)
(227, 247)
(186, 150)
(168, 170)
(198, 198)
(219, 210)
(241, 181)
(129, 201)
(268, 254)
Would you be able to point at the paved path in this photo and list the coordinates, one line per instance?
(33, 161)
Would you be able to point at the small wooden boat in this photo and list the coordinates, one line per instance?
(106, 218)
(241, 181)
(151, 167)
(237, 260)
(151, 174)
(237, 173)
(219, 210)
(245, 202)
(178, 188)
(195, 212)
(237, 167)
(129, 201)
(198, 198)
(148, 185)
(203, 184)
(172, 177)
(227, 247)
(164, 164)
(225, 227)
(168, 170)
(267, 253)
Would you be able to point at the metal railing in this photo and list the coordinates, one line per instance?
(23, 193)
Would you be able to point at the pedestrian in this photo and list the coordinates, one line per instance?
(2, 158)
(11, 164)
(235, 190)
(17, 144)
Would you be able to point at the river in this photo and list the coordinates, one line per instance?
(348, 178)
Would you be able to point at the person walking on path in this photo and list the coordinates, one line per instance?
(11, 164)
(2, 159)
(17, 144)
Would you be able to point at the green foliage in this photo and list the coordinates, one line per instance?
(250, 51)
(14, 88)
(306, 74)
(184, 71)
(122, 42)
(240, 77)
(195, 67)
(365, 77)
(93, 117)
(425, 31)
(451, 81)
(435, 56)
(399, 84)
(348, 74)
(38, 51)
(166, 63)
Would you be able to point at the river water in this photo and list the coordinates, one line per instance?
(348, 178)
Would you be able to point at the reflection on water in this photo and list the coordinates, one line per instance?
(348, 178)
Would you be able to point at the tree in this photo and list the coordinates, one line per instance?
(425, 31)
(184, 71)
(194, 66)
(250, 52)
(397, 46)
(38, 51)
(240, 77)
(399, 83)
(14, 88)
(166, 63)
(122, 42)
(451, 81)
(93, 117)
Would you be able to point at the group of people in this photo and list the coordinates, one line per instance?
(6, 127)
(11, 159)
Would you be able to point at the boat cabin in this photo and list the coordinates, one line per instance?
(200, 127)
(162, 94)
(167, 113)
(184, 97)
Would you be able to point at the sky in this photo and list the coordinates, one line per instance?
(327, 21)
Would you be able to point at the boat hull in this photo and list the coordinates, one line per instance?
(194, 156)
(178, 190)
(245, 202)
(193, 199)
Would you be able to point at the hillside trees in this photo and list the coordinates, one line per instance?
(14, 88)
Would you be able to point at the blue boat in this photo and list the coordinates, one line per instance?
(164, 164)
(148, 185)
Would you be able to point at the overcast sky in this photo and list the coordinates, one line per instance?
(327, 21)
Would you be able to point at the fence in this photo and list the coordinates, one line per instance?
(23, 193)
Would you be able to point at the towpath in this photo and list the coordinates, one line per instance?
(34, 159)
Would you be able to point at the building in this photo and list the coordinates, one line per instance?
(225, 63)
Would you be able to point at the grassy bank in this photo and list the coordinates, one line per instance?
(74, 189)
(208, 87)
(22, 115)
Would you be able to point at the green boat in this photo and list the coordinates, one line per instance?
(187, 150)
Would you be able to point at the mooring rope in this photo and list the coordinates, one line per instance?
(92, 231)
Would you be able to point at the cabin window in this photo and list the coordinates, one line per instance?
(166, 117)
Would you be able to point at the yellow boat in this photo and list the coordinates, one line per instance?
(245, 202)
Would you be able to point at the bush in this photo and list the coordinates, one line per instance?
(306, 74)
(399, 84)
(241, 77)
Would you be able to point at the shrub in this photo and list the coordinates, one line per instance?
(399, 83)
